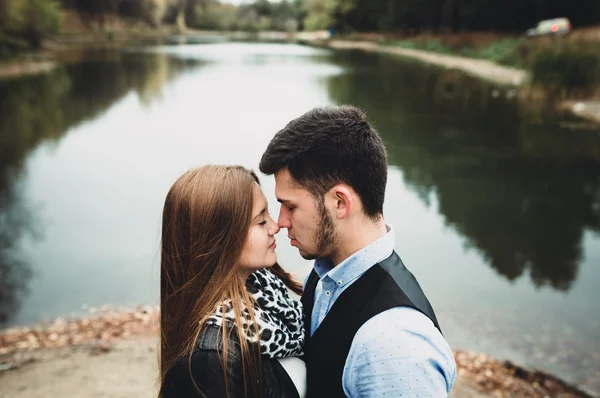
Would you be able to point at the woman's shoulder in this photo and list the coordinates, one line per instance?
(203, 368)
(212, 340)
(207, 369)
(208, 352)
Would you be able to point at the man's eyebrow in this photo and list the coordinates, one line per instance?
(284, 201)
(261, 213)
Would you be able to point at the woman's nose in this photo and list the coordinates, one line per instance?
(274, 228)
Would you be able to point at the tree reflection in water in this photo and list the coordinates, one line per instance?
(521, 193)
(43, 109)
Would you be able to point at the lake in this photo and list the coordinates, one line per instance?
(495, 202)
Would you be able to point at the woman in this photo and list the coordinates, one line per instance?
(227, 320)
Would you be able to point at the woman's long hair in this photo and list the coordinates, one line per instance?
(206, 219)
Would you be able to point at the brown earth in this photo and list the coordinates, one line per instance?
(114, 354)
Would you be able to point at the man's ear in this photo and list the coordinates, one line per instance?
(341, 199)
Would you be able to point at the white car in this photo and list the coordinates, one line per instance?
(556, 26)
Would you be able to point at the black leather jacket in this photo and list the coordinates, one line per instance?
(208, 372)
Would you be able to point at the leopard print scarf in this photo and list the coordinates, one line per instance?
(280, 318)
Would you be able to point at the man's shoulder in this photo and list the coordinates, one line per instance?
(404, 334)
(405, 343)
(397, 325)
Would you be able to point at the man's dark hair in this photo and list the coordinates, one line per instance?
(328, 146)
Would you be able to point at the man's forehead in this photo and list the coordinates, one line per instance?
(284, 180)
(285, 185)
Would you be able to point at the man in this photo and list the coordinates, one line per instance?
(381, 338)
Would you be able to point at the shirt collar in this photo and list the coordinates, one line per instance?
(359, 262)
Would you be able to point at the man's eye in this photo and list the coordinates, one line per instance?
(290, 208)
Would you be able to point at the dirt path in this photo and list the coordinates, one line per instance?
(589, 110)
(128, 369)
(113, 353)
(480, 68)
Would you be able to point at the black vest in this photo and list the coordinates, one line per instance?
(386, 285)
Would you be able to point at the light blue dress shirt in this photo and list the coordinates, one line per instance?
(397, 353)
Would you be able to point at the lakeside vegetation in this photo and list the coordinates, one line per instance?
(25, 24)
(565, 66)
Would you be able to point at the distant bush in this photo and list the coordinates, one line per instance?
(216, 17)
(37, 19)
(571, 68)
(252, 22)
(147, 11)
(10, 46)
(25, 23)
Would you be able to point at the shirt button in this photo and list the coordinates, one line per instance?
(328, 293)
(339, 283)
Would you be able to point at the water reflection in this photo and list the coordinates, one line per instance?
(34, 106)
(42, 109)
(522, 194)
(15, 222)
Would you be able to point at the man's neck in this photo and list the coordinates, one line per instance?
(356, 238)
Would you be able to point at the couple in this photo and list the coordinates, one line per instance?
(229, 327)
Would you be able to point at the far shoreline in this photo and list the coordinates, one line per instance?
(47, 59)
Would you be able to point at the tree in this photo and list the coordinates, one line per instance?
(149, 11)
(36, 20)
(416, 16)
(323, 14)
(216, 16)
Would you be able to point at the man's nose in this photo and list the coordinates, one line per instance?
(284, 220)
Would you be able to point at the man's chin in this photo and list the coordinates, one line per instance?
(308, 256)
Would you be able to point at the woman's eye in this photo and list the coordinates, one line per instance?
(262, 222)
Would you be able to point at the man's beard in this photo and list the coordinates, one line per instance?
(325, 236)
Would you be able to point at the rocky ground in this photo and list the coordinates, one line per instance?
(114, 354)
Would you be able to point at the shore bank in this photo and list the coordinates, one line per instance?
(26, 67)
(50, 55)
(483, 69)
(588, 110)
(114, 353)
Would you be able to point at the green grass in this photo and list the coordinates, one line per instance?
(498, 51)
